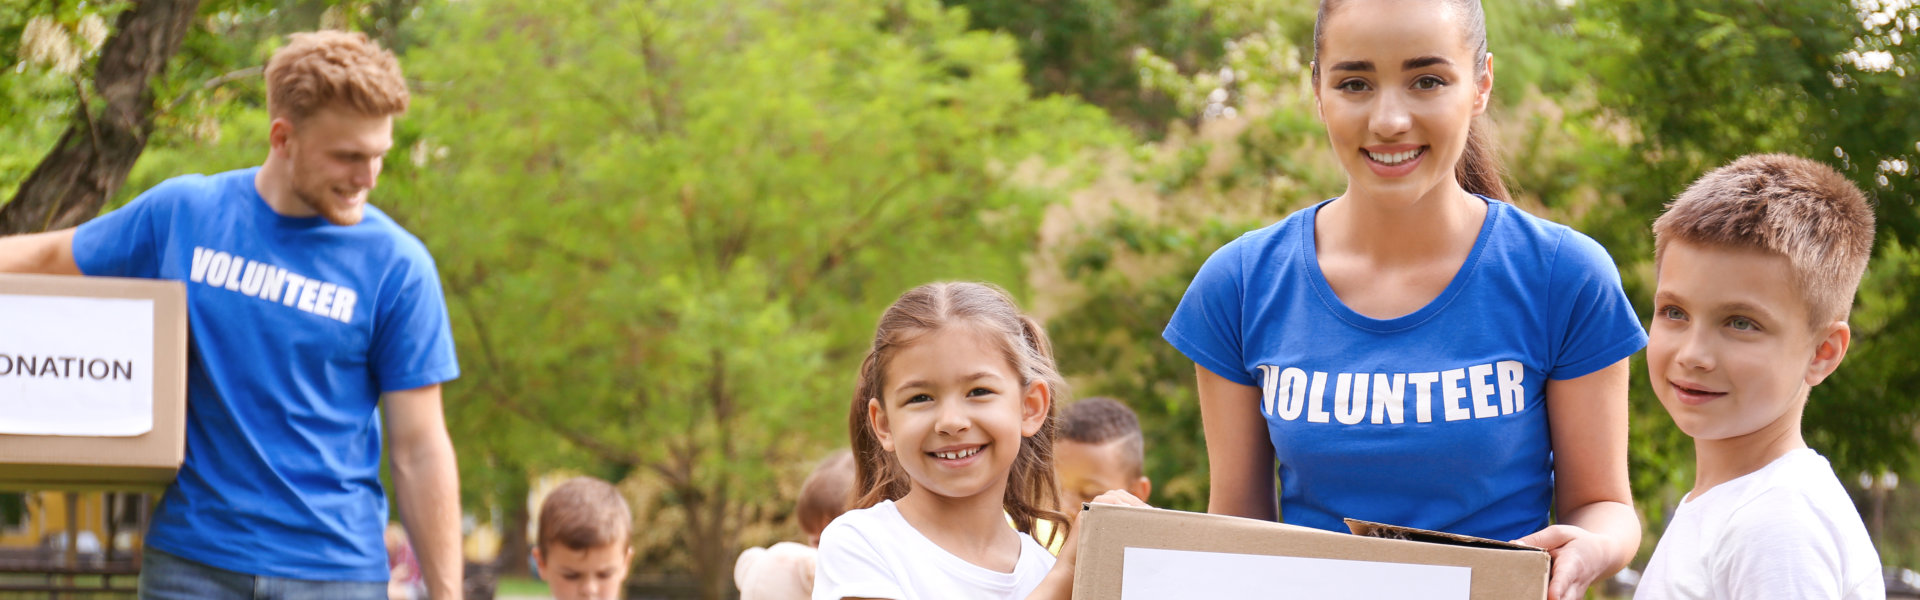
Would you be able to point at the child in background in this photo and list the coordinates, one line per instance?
(1757, 263)
(582, 549)
(952, 431)
(1100, 449)
(403, 568)
(785, 570)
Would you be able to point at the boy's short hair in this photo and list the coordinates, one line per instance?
(1100, 420)
(1786, 205)
(334, 68)
(582, 514)
(826, 492)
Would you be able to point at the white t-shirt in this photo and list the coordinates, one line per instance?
(1787, 530)
(781, 572)
(875, 553)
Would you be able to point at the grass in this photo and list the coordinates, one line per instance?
(520, 586)
(79, 582)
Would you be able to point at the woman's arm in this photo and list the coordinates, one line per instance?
(1239, 453)
(1598, 531)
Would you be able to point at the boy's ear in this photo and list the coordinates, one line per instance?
(877, 419)
(1833, 340)
(1141, 488)
(540, 562)
(1035, 405)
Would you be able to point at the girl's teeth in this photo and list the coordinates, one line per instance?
(1394, 158)
(955, 455)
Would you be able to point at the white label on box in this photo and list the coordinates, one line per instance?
(1160, 573)
(76, 366)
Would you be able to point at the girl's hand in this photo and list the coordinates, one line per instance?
(1579, 558)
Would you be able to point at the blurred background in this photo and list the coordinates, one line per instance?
(666, 227)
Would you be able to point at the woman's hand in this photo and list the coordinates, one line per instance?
(1597, 531)
(1580, 557)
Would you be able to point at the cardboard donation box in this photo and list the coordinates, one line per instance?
(1130, 553)
(92, 381)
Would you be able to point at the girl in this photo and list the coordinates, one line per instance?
(952, 428)
(1417, 351)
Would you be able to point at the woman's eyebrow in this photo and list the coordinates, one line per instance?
(1425, 61)
(1353, 65)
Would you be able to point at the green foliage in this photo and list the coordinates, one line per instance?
(614, 193)
(1702, 83)
(48, 50)
(1099, 50)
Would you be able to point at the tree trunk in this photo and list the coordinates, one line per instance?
(109, 127)
(514, 545)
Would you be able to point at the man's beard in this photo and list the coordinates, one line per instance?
(343, 217)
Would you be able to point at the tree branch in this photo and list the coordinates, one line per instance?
(210, 84)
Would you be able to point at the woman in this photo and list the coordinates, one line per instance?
(1417, 351)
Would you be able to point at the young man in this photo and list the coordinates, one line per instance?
(582, 549)
(308, 308)
(1758, 262)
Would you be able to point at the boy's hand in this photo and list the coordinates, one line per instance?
(1071, 550)
(1579, 558)
(1059, 581)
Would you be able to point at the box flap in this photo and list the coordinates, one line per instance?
(1397, 532)
(1106, 531)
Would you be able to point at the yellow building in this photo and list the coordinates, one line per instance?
(45, 519)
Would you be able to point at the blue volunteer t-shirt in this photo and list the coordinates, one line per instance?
(1436, 419)
(297, 326)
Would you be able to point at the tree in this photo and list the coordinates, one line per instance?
(1702, 83)
(161, 75)
(100, 144)
(666, 229)
(1096, 49)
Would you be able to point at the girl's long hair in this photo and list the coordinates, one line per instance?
(1032, 494)
(1479, 170)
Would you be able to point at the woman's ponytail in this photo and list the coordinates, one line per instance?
(1480, 171)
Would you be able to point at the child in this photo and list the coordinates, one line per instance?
(1099, 450)
(1758, 262)
(952, 432)
(403, 568)
(582, 550)
(785, 570)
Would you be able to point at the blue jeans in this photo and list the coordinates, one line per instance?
(167, 577)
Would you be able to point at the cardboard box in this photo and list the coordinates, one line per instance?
(92, 382)
(1180, 554)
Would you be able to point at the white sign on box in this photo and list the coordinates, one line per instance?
(76, 366)
(1161, 573)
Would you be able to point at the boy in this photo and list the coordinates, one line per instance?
(785, 570)
(1099, 449)
(1758, 262)
(582, 550)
